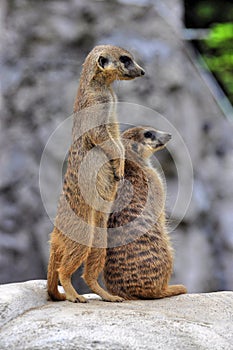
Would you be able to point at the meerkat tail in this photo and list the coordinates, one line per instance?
(52, 280)
(172, 290)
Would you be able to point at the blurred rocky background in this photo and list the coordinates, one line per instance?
(43, 44)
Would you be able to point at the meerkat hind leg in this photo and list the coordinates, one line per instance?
(92, 268)
(53, 292)
(69, 264)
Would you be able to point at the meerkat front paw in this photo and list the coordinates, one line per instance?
(118, 166)
(76, 299)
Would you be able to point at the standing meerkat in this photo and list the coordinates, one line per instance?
(80, 230)
(139, 259)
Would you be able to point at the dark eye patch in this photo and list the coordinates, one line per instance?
(103, 61)
(126, 60)
(148, 134)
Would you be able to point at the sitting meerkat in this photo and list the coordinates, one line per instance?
(139, 257)
(80, 230)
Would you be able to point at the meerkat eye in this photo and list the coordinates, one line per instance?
(148, 134)
(103, 61)
(126, 60)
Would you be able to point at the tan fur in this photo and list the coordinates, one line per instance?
(140, 258)
(77, 236)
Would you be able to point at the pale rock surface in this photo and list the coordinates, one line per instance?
(43, 46)
(193, 321)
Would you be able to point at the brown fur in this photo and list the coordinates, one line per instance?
(139, 258)
(75, 238)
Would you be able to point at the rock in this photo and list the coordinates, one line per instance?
(43, 47)
(192, 321)
(18, 298)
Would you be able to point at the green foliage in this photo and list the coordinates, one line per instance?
(220, 35)
(218, 53)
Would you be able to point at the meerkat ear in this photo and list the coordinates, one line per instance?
(103, 61)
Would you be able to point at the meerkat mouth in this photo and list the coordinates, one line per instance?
(153, 147)
(150, 147)
(128, 76)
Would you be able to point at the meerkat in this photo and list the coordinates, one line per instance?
(139, 258)
(75, 238)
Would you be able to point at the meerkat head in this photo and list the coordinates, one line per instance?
(145, 141)
(115, 63)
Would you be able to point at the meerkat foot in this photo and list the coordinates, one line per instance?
(56, 296)
(81, 299)
(113, 298)
(71, 293)
(76, 298)
(106, 296)
(95, 287)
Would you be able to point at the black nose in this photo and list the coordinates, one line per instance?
(142, 72)
(164, 138)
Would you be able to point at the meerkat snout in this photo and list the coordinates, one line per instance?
(164, 138)
(130, 67)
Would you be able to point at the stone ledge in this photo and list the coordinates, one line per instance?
(192, 321)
